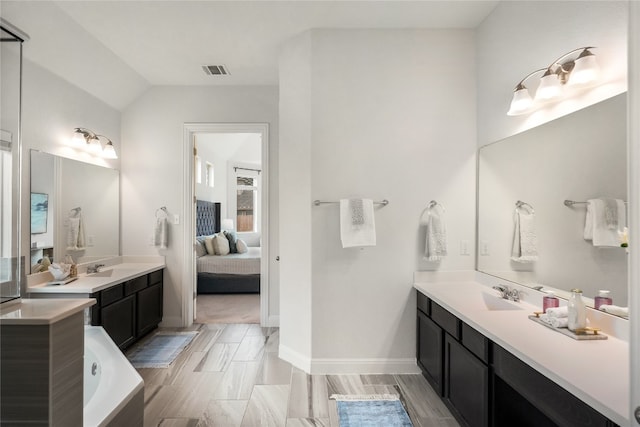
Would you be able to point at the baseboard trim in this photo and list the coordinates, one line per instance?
(364, 366)
(171, 322)
(296, 359)
(273, 321)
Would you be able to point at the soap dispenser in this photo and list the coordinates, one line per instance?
(577, 311)
(602, 299)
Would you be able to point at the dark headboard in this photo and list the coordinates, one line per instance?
(207, 218)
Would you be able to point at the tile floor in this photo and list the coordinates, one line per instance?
(231, 376)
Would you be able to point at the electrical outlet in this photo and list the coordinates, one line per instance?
(484, 248)
(91, 240)
(464, 247)
(176, 219)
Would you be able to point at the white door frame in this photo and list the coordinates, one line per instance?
(189, 270)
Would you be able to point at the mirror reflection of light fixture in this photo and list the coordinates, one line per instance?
(582, 70)
(90, 141)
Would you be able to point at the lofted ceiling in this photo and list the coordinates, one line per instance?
(115, 50)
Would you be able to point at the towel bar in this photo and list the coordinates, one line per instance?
(570, 203)
(385, 202)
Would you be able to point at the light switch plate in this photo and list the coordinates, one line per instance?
(176, 219)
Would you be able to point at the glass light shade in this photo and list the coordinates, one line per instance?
(94, 146)
(521, 102)
(227, 224)
(585, 69)
(108, 152)
(78, 140)
(549, 88)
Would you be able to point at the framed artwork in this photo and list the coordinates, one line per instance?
(39, 211)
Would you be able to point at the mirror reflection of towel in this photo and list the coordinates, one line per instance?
(75, 232)
(605, 217)
(525, 241)
(160, 235)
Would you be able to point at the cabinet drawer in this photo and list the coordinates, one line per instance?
(111, 295)
(446, 320)
(423, 303)
(155, 277)
(475, 342)
(135, 285)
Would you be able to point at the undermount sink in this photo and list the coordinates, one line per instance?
(495, 303)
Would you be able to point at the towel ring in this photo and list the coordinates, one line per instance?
(434, 203)
(163, 209)
(521, 204)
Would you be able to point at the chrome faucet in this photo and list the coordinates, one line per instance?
(94, 268)
(508, 293)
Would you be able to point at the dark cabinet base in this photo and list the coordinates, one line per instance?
(485, 385)
(128, 311)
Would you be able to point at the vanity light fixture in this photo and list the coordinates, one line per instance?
(90, 141)
(581, 70)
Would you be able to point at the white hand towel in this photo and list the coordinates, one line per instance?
(75, 232)
(357, 223)
(161, 236)
(615, 310)
(435, 247)
(558, 312)
(605, 218)
(525, 241)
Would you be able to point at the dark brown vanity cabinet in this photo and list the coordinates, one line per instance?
(128, 311)
(459, 376)
(485, 385)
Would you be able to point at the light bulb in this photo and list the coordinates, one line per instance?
(549, 87)
(585, 69)
(109, 152)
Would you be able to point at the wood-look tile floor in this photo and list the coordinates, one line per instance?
(231, 376)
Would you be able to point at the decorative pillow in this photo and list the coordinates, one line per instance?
(232, 238)
(220, 244)
(208, 244)
(242, 246)
(200, 248)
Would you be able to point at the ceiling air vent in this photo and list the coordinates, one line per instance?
(215, 70)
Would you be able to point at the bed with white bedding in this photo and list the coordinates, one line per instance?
(231, 273)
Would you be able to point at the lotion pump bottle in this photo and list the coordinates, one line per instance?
(549, 300)
(602, 299)
(577, 311)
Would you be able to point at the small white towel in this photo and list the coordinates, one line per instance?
(556, 322)
(357, 223)
(558, 312)
(605, 219)
(161, 235)
(525, 241)
(435, 247)
(75, 232)
(615, 310)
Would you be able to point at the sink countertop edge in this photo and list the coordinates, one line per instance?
(585, 385)
(89, 285)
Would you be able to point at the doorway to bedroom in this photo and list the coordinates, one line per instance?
(230, 221)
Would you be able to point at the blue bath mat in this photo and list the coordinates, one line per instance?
(161, 350)
(371, 411)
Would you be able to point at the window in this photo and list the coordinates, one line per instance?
(198, 170)
(210, 175)
(247, 203)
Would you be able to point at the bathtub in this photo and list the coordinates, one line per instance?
(113, 390)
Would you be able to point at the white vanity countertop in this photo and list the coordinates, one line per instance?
(597, 372)
(108, 276)
(41, 311)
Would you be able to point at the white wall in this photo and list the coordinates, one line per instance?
(391, 116)
(519, 37)
(294, 156)
(152, 174)
(217, 193)
(51, 109)
(634, 202)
